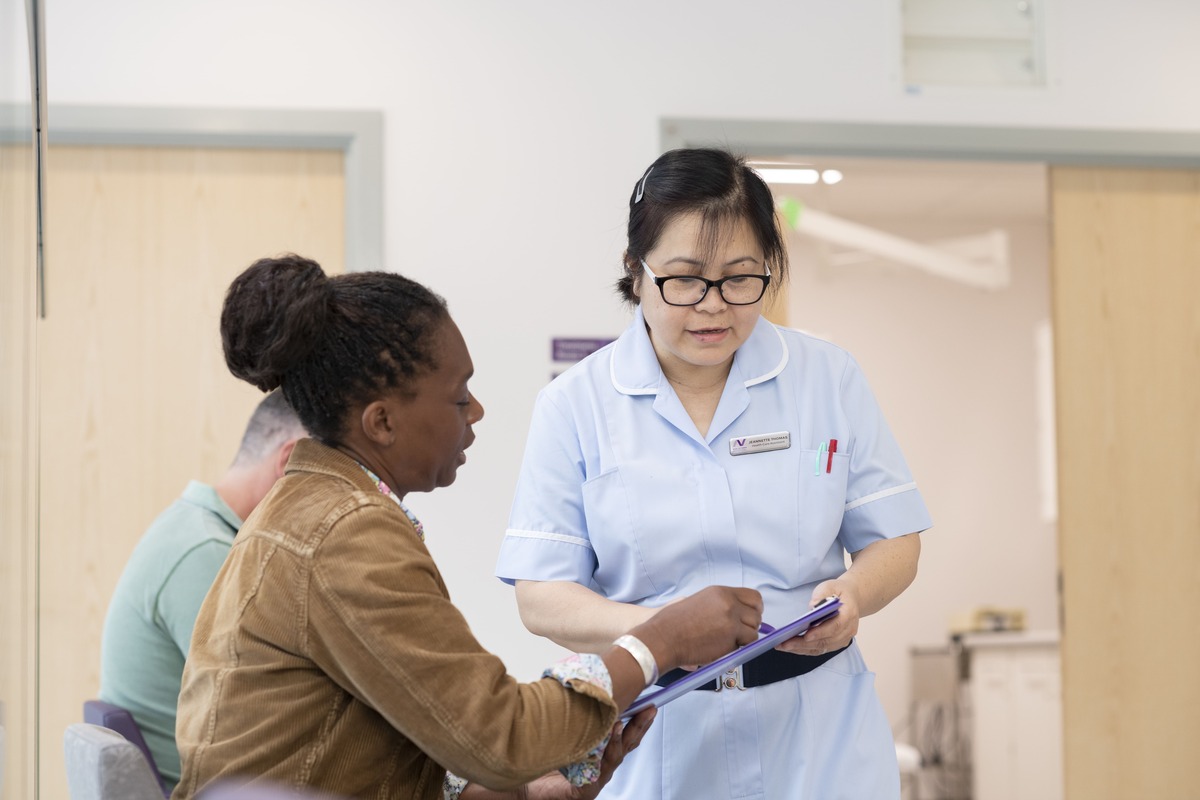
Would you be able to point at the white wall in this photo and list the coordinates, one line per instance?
(515, 131)
(14, 44)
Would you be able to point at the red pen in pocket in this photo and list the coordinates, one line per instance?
(829, 458)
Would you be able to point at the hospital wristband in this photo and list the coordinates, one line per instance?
(641, 654)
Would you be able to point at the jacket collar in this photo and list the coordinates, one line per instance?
(309, 455)
(634, 368)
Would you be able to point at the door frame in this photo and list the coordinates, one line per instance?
(358, 135)
(1055, 146)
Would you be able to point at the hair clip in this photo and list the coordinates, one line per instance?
(641, 189)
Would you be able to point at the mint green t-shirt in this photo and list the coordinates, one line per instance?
(148, 628)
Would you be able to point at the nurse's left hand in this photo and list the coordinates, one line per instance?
(833, 633)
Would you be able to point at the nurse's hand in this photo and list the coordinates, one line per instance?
(702, 627)
(880, 572)
(835, 632)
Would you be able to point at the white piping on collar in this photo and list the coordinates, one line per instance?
(612, 375)
(783, 361)
(778, 367)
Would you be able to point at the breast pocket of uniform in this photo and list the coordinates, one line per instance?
(791, 511)
(822, 490)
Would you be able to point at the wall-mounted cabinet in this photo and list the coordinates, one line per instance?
(972, 43)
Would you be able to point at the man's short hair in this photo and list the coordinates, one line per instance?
(272, 424)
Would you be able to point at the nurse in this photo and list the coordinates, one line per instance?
(708, 446)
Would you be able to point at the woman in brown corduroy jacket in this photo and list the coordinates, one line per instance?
(328, 654)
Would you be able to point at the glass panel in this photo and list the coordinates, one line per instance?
(18, 424)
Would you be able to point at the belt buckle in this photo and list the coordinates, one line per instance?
(731, 679)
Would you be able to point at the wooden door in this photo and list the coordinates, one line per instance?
(141, 244)
(1126, 303)
(18, 441)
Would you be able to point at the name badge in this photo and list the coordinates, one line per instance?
(759, 443)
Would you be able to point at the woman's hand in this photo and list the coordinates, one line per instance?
(696, 630)
(702, 627)
(623, 740)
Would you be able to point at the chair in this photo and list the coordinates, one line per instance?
(113, 717)
(103, 765)
(909, 759)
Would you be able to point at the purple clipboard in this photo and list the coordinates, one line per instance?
(797, 627)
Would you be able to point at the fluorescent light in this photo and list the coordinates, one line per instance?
(806, 176)
(831, 175)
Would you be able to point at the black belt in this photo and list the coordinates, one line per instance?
(770, 667)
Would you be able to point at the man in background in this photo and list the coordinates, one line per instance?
(148, 628)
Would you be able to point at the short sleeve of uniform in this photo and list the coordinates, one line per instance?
(547, 538)
(882, 500)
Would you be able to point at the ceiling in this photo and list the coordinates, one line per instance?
(986, 193)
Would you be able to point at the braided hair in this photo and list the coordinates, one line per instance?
(331, 344)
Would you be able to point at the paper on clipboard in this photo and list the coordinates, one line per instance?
(827, 608)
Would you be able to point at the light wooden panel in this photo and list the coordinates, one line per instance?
(17, 461)
(136, 398)
(1126, 267)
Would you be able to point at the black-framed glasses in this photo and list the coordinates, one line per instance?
(688, 290)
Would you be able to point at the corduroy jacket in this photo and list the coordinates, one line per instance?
(328, 655)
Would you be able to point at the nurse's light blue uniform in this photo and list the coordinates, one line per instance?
(621, 493)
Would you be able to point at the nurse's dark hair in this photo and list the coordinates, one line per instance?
(332, 345)
(714, 183)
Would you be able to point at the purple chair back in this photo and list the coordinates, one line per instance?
(107, 715)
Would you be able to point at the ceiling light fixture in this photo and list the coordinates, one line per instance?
(790, 176)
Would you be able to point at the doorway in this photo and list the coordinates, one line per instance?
(934, 275)
(1123, 296)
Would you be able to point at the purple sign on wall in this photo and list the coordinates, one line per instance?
(566, 349)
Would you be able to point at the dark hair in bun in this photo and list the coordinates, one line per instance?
(331, 343)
